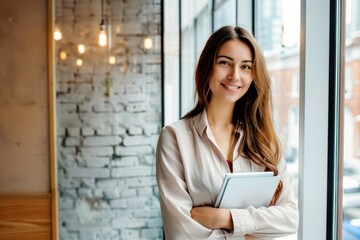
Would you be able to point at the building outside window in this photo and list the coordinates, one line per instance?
(351, 127)
(277, 29)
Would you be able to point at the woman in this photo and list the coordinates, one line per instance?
(229, 130)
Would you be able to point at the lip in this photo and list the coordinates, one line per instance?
(230, 87)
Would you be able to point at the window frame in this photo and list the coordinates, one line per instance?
(336, 118)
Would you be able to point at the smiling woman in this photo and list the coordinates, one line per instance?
(232, 72)
(230, 129)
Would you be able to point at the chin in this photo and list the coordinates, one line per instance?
(231, 101)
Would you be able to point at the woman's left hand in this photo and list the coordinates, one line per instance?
(212, 218)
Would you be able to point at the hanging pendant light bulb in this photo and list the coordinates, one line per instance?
(112, 60)
(79, 62)
(63, 55)
(148, 43)
(102, 34)
(57, 34)
(102, 38)
(81, 48)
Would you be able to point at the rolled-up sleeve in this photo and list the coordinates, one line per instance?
(274, 221)
(176, 203)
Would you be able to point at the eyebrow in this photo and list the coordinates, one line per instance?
(232, 59)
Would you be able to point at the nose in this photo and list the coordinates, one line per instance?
(234, 74)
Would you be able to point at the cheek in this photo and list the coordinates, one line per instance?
(250, 81)
(247, 85)
(250, 76)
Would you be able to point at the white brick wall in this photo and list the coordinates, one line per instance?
(102, 141)
(96, 162)
(96, 151)
(132, 171)
(106, 144)
(133, 150)
(88, 172)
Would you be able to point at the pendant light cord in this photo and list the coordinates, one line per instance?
(102, 9)
(102, 23)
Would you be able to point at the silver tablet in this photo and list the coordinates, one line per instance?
(241, 190)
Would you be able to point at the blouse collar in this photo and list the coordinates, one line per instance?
(201, 123)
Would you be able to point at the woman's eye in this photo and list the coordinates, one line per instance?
(225, 63)
(246, 67)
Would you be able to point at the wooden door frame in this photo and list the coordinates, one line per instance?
(52, 120)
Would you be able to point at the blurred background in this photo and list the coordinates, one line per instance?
(87, 85)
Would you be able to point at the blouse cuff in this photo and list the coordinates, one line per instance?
(243, 222)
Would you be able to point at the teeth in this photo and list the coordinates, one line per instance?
(232, 87)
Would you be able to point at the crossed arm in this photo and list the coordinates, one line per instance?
(212, 218)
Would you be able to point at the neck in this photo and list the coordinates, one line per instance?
(219, 114)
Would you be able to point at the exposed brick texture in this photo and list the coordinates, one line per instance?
(109, 118)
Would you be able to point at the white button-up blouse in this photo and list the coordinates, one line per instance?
(190, 170)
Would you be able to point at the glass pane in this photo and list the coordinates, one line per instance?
(187, 68)
(195, 30)
(225, 14)
(203, 30)
(351, 179)
(278, 32)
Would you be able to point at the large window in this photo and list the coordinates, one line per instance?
(351, 129)
(300, 77)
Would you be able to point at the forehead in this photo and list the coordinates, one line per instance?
(236, 49)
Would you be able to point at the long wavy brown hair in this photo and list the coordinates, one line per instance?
(253, 111)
